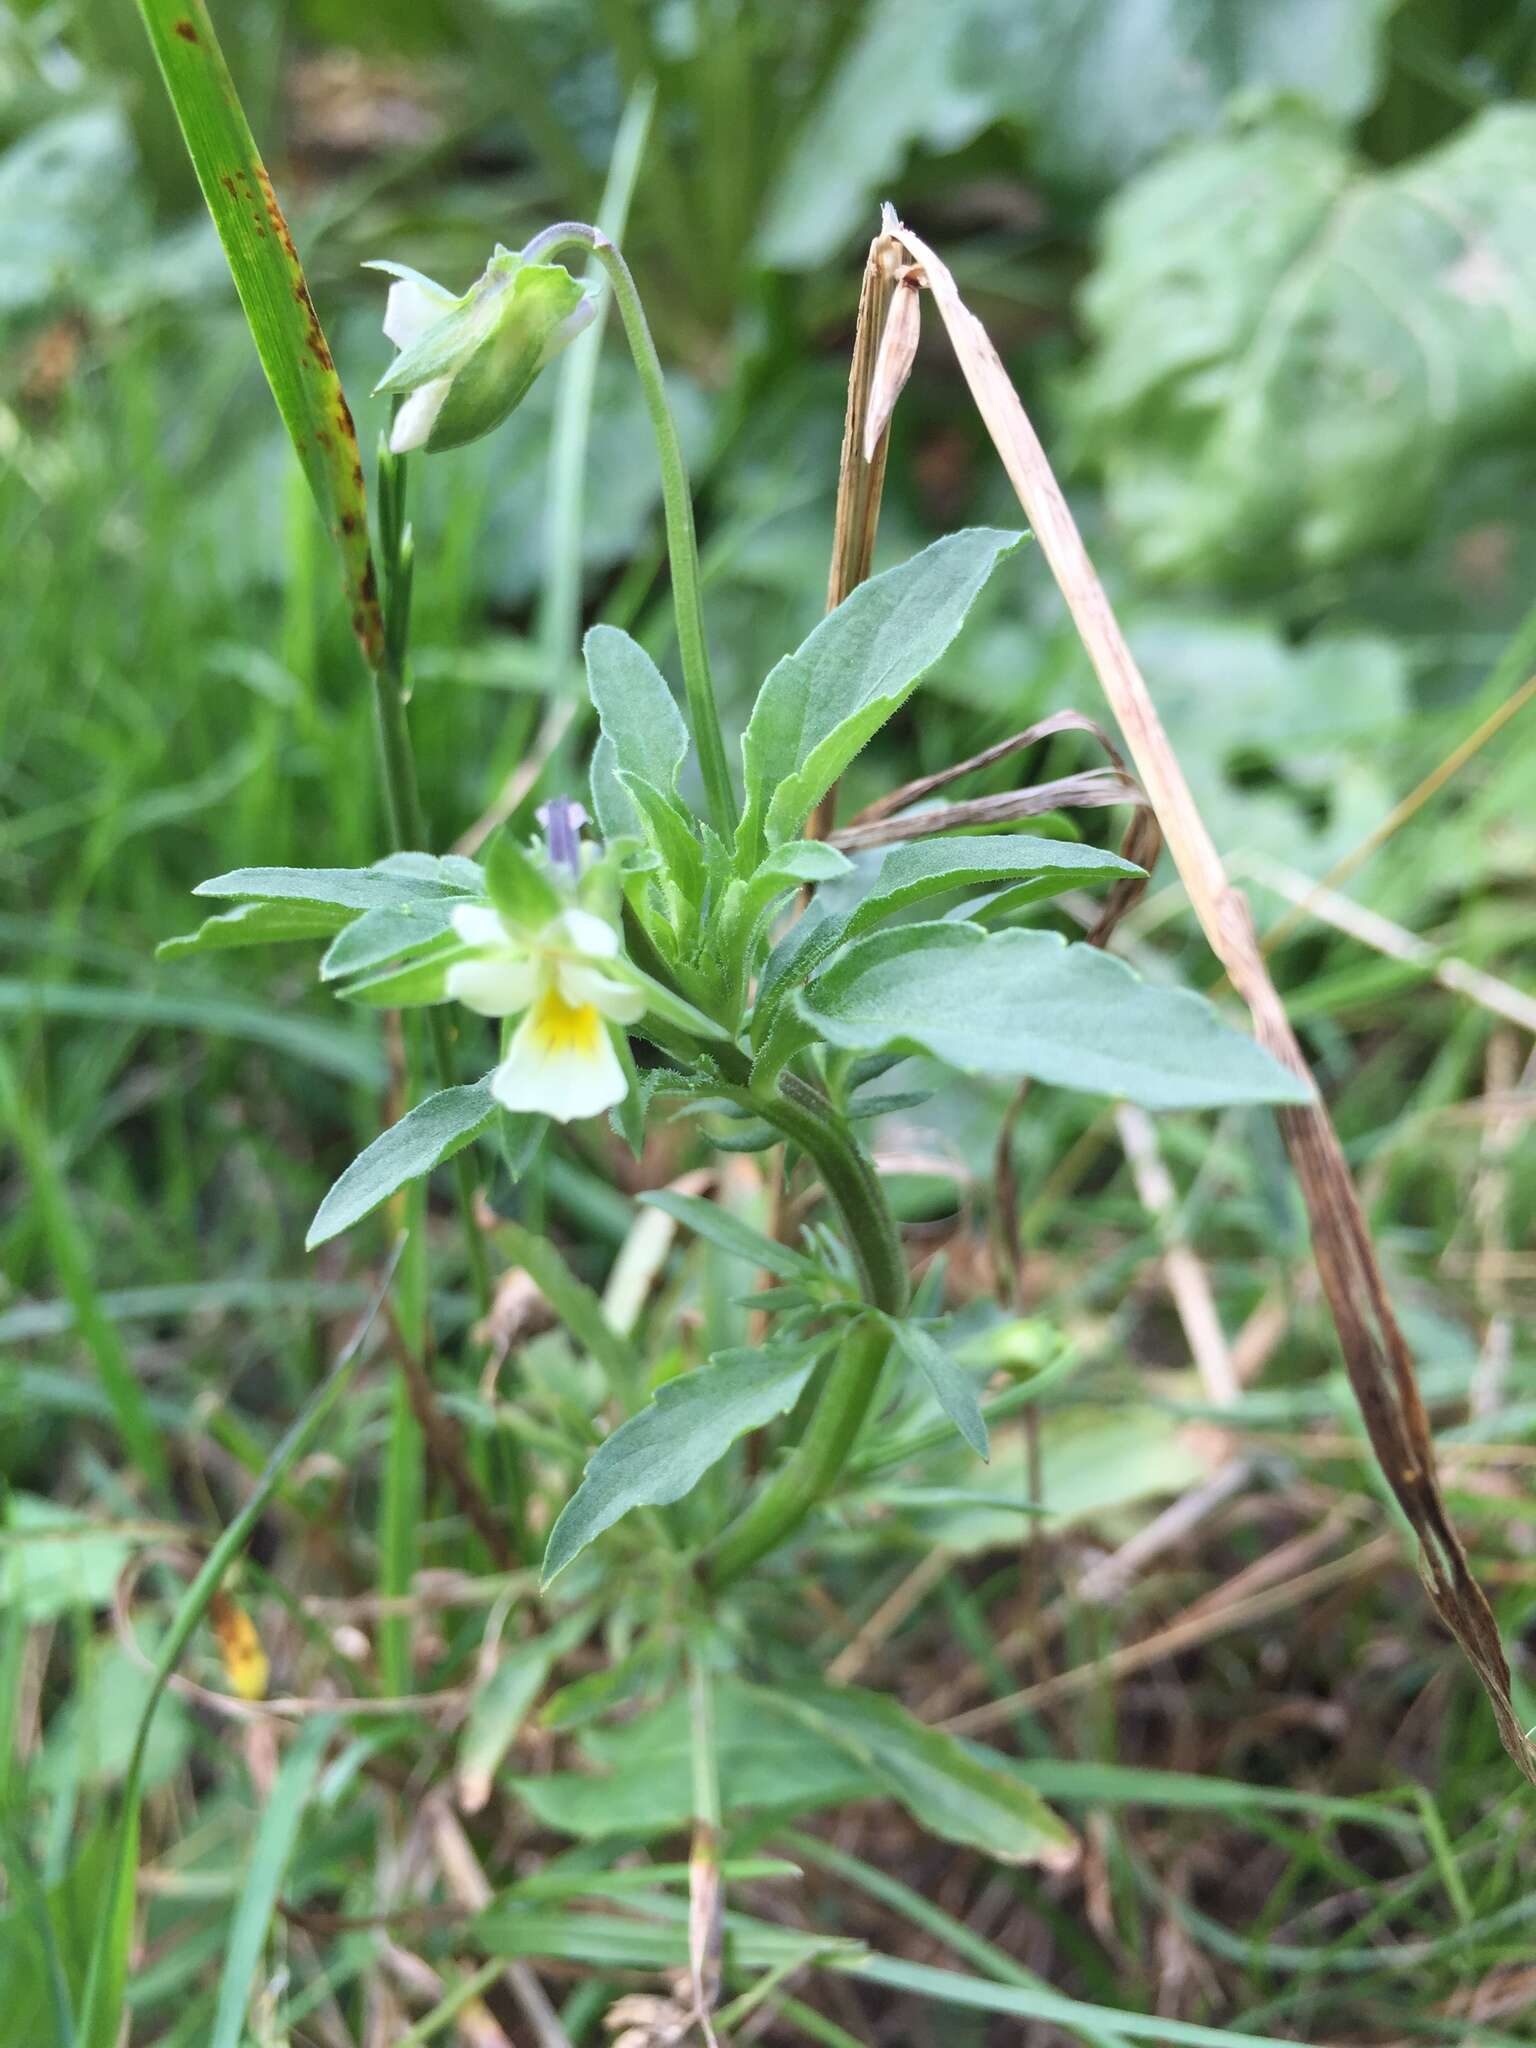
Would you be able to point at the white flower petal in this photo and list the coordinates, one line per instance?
(616, 1000)
(412, 307)
(496, 988)
(561, 1063)
(585, 933)
(418, 416)
(478, 925)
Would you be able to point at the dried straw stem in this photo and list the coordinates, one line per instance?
(1375, 1355)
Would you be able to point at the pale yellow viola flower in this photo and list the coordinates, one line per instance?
(562, 1061)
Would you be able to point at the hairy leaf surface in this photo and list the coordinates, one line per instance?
(663, 1452)
(427, 1135)
(1020, 1003)
(822, 703)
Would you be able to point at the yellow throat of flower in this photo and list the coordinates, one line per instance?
(562, 1027)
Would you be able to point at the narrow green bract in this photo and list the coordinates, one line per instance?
(952, 1387)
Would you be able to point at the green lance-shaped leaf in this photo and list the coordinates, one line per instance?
(257, 1893)
(798, 864)
(257, 923)
(501, 1706)
(270, 280)
(1034, 869)
(430, 1133)
(952, 1387)
(642, 729)
(731, 1234)
(663, 1452)
(947, 1786)
(1025, 1003)
(382, 935)
(400, 879)
(823, 702)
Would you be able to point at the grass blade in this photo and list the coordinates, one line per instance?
(275, 1838)
(71, 1256)
(577, 1307)
(1018, 2001)
(270, 280)
(101, 2006)
(330, 1048)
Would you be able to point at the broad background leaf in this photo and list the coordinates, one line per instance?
(1098, 86)
(1294, 354)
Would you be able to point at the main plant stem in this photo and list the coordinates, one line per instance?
(677, 504)
(815, 1463)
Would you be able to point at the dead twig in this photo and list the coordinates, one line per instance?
(1376, 1356)
(1093, 789)
(1186, 1633)
(472, 1891)
(861, 468)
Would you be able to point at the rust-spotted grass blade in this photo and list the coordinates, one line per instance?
(270, 280)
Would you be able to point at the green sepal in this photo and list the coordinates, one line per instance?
(518, 885)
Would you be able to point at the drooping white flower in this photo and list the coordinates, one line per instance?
(464, 363)
(562, 1061)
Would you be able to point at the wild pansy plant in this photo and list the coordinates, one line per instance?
(676, 930)
(649, 954)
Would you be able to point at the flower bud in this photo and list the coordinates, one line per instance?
(465, 363)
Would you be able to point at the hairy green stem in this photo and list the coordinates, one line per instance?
(677, 503)
(812, 1467)
(816, 1462)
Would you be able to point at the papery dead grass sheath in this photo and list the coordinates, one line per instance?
(861, 465)
(1375, 1354)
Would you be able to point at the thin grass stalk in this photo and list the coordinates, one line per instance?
(69, 1248)
(559, 613)
(101, 2003)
